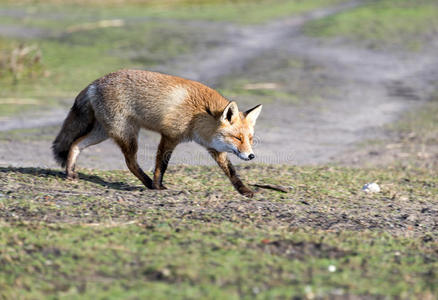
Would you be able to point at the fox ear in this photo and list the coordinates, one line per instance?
(252, 114)
(230, 113)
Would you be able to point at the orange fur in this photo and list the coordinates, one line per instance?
(119, 104)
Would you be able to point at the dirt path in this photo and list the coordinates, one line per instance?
(244, 44)
(372, 89)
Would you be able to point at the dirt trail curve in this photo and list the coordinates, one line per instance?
(372, 89)
(246, 43)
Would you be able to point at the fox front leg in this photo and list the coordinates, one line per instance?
(228, 168)
(165, 149)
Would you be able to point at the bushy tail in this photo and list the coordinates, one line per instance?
(79, 122)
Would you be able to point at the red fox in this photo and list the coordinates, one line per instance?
(119, 104)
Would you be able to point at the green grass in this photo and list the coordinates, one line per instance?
(150, 35)
(170, 258)
(245, 12)
(30, 134)
(383, 23)
(19, 106)
(422, 122)
(73, 61)
(104, 237)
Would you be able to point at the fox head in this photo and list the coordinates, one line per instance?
(235, 131)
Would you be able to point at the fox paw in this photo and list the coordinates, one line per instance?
(72, 176)
(159, 187)
(246, 192)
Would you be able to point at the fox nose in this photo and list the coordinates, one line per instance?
(251, 156)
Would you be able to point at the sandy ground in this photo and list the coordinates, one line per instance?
(362, 90)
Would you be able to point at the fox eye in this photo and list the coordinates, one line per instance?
(237, 138)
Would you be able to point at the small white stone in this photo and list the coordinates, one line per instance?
(371, 188)
(309, 292)
(331, 268)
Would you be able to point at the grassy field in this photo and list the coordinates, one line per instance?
(241, 11)
(79, 43)
(400, 23)
(105, 236)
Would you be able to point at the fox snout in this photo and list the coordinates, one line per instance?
(245, 156)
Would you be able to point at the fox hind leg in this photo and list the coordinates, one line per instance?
(129, 146)
(96, 136)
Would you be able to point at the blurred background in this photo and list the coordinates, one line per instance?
(349, 82)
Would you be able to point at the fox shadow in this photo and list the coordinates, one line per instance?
(40, 172)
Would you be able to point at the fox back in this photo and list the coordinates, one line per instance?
(176, 107)
(162, 103)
